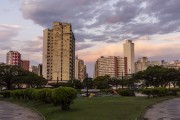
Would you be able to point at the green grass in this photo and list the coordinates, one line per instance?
(97, 108)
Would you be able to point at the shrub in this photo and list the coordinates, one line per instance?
(28, 93)
(35, 94)
(44, 95)
(126, 92)
(48, 98)
(64, 96)
(147, 91)
(16, 94)
(173, 91)
(6, 94)
(107, 91)
(155, 92)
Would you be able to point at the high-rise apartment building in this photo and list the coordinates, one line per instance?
(80, 69)
(13, 58)
(113, 66)
(128, 47)
(25, 64)
(141, 64)
(58, 52)
(34, 69)
(40, 69)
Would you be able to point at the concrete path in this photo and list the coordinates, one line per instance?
(10, 111)
(167, 110)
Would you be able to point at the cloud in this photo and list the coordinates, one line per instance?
(122, 18)
(83, 46)
(34, 45)
(100, 26)
(7, 35)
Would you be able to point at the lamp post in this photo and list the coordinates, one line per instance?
(122, 80)
(87, 92)
(57, 78)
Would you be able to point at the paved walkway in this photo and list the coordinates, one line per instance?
(10, 111)
(167, 110)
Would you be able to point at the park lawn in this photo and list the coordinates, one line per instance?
(96, 108)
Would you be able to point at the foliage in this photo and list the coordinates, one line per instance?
(126, 92)
(115, 82)
(31, 79)
(101, 82)
(155, 92)
(8, 73)
(158, 76)
(44, 95)
(64, 96)
(75, 84)
(17, 94)
(12, 76)
(6, 94)
(88, 82)
(107, 91)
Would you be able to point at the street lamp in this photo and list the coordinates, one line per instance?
(57, 78)
(87, 92)
(122, 79)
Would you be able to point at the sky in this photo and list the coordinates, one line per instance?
(100, 27)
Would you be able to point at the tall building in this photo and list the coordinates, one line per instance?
(40, 69)
(113, 66)
(80, 69)
(25, 64)
(58, 53)
(13, 58)
(141, 64)
(128, 47)
(34, 69)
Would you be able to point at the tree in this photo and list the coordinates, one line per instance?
(101, 82)
(31, 79)
(115, 82)
(8, 73)
(88, 82)
(159, 76)
(75, 84)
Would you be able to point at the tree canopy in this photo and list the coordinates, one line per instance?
(12, 76)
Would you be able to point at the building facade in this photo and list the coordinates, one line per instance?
(25, 64)
(141, 64)
(40, 69)
(113, 66)
(13, 58)
(58, 53)
(34, 69)
(80, 69)
(128, 47)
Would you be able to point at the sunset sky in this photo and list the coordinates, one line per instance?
(100, 27)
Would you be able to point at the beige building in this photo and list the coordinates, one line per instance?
(80, 69)
(128, 47)
(113, 66)
(141, 64)
(58, 53)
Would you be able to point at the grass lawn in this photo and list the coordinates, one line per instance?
(97, 108)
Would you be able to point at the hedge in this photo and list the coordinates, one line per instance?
(159, 91)
(127, 92)
(62, 96)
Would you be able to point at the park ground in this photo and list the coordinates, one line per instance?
(95, 108)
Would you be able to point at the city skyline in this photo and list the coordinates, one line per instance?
(100, 27)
